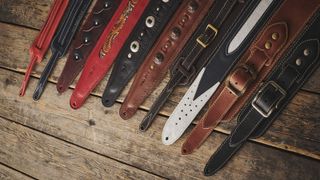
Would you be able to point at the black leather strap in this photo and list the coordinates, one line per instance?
(72, 18)
(277, 91)
(136, 48)
(194, 55)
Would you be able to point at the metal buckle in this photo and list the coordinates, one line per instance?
(236, 91)
(205, 44)
(258, 108)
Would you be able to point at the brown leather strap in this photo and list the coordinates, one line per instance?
(162, 55)
(253, 67)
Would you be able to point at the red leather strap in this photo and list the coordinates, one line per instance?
(281, 30)
(171, 41)
(42, 42)
(107, 49)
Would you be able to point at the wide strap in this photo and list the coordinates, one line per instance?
(85, 41)
(252, 68)
(273, 96)
(107, 49)
(137, 46)
(42, 42)
(240, 37)
(209, 35)
(171, 41)
(71, 21)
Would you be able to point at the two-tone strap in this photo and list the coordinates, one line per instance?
(171, 41)
(71, 21)
(187, 63)
(252, 68)
(107, 49)
(273, 96)
(85, 41)
(253, 17)
(42, 42)
(136, 48)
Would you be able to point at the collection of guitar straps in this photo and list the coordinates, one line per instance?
(243, 59)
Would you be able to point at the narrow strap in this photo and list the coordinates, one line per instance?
(85, 41)
(42, 42)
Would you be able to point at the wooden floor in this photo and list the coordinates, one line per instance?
(49, 140)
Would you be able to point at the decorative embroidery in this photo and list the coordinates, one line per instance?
(117, 28)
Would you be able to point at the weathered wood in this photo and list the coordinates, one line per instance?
(100, 129)
(45, 157)
(296, 130)
(7, 174)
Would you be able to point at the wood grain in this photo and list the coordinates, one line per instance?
(8, 174)
(100, 130)
(45, 157)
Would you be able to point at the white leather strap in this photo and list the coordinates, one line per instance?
(186, 111)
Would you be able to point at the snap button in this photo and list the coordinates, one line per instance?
(267, 45)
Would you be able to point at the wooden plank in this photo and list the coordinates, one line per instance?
(296, 130)
(29, 13)
(7, 174)
(100, 129)
(45, 157)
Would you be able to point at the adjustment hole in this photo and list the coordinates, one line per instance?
(167, 138)
(176, 124)
(179, 118)
(142, 128)
(184, 151)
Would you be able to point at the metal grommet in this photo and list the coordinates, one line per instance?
(175, 34)
(150, 21)
(129, 55)
(193, 6)
(134, 47)
(159, 58)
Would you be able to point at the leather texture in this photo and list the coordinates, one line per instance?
(171, 41)
(190, 61)
(253, 17)
(71, 21)
(85, 41)
(137, 46)
(42, 42)
(107, 49)
(273, 96)
(257, 62)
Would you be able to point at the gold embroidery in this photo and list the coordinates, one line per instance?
(117, 27)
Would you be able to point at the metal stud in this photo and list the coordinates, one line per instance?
(129, 55)
(267, 45)
(134, 47)
(96, 22)
(165, 1)
(306, 52)
(298, 62)
(275, 36)
(106, 4)
(86, 39)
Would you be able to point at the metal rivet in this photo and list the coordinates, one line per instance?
(165, 1)
(175, 34)
(151, 67)
(306, 52)
(159, 58)
(129, 55)
(134, 47)
(267, 45)
(150, 21)
(275, 36)
(96, 22)
(158, 9)
(86, 39)
(77, 56)
(298, 62)
(141, 34)
(106, 4)
(193, 6)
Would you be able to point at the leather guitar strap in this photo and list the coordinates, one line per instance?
(171, 41)
(274, 95)
(255, 14)
(208, 39)
(72, 19)
(258, 61)
(107, 49)
(42, 42)
(137, 46)
(85, 41)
